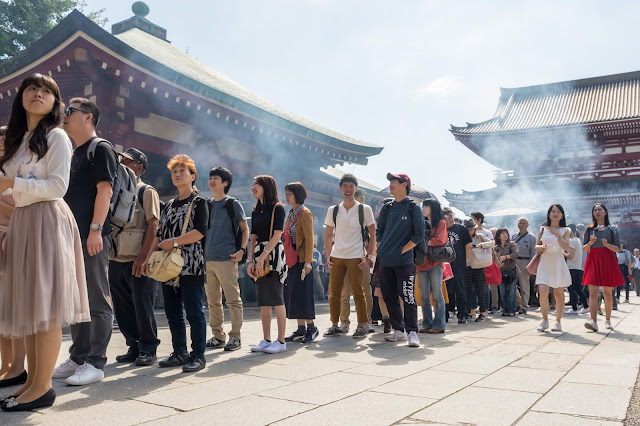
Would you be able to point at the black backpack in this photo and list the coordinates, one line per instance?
(141, 196)
(235, 227)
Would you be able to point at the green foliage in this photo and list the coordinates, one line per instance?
(22, 22)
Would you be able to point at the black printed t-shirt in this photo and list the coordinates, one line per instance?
(261, 221)
(459, 237)
(83, 181)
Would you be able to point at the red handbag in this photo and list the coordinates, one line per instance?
(532, 267)
(290, 252)
(492, 274)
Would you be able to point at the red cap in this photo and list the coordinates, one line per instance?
(402, 177)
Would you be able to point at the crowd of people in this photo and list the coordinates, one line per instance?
(69, 259)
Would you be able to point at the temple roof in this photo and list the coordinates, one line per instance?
(160, 58)
(569, 103)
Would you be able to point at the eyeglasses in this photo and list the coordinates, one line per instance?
(286, 194)
(69, 110)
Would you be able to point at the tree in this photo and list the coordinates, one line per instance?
(22, 22)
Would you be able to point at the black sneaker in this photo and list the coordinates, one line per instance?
(175, 360)
(295, 336)
(480, 318)
(387, 325)
(214, 343)
(462, 320)
(130, 356)
(360, 333)
(145, 359)
(194, 364)
(332, 331)
(233, 345)
(310, 335)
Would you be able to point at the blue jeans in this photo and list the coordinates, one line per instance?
(508, 296)
(190, 296)
(431, 281)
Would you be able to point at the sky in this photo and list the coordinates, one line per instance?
(399, 73)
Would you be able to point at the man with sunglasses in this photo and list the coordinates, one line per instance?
(89, 196)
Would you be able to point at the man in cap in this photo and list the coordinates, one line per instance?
(400, 228)
(132, 292)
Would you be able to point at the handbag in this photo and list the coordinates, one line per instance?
(165, 265)
(508, 276)
(444, 253)
(492, 274)
(289, 250)
(480, 258)
(532, 267)
(267, 260)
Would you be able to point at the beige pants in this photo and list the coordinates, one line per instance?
(523, 280)
(345, 305)
(223, 276)
(341, 269)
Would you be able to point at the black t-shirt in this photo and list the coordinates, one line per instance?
(261, 221)
(459, 237)
(83, 181)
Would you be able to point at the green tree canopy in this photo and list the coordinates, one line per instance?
(22, 22)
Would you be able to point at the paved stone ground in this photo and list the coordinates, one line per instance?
(499, 372)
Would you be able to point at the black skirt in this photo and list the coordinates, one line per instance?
(300, 304)
(269, 290)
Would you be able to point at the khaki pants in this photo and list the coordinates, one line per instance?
(342, 268)
(525, 288)
(494, 296)
(223, 276)
(345, 305)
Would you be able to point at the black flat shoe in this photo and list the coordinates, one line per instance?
(130, 356)
(45, 400)
(7, 398)
(18, 380)
(194, 364)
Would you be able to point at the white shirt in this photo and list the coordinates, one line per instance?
(347, 241)
(485, 232)
(44, 180)
(637, 266)
(575, 262)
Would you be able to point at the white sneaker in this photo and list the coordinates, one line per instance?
(571, 312)
(591, 325)
(543, 326)
(85, 375)
(344, 327)
(396, 336)
(369, 328)
(260, 347)
(539, 310)
(607, 325)
(66, 369)
(557, 327)
(276, 347)
(414, 342)
(584, 311)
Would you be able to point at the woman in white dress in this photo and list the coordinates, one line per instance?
(553, 272)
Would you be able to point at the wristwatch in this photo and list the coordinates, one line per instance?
(369, 257)
(175, 242)
(244, 250)
(96, 227)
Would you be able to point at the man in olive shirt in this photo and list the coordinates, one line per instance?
(526, 242)
(132, 292)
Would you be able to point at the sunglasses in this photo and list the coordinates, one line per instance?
(69, 110)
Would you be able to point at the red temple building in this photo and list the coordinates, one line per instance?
(574, 143)
(157, 98)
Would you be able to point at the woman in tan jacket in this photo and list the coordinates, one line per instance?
(298, 246)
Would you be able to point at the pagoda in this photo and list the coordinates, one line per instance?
(157, 98)
(574, 143)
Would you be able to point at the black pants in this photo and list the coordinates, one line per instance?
(576, 290)
(475, 279)
(625, 272)
(457, 293)
(399, 281)
(133, 299)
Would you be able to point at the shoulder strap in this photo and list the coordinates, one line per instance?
(141, 195)
(273, 212)
(335, 214)
(92, 147)
(361, 214)
(521, 237)
(186, 219)
(231, 212)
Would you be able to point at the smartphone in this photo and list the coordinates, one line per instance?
(304, 274)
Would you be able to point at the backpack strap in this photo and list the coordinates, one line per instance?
(363, 229)
(231, 212)
(141, 195)
(335, 214)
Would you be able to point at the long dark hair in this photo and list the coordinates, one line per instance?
(436, 210)
(497, 237)
(270, 189)
(563, 221)
(17, 126)
(606, 216)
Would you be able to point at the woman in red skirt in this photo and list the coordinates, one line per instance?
(601, 242)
